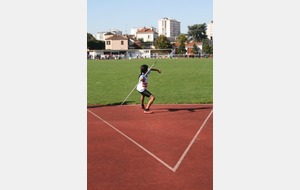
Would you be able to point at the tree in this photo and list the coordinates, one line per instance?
(195, 49)
(197, 32)
(181, 39)
(162, 42)
(90, 37)
(181, 49)
(141, 40)
(93, 43)
(207, 47)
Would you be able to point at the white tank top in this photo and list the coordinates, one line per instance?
(142, 85)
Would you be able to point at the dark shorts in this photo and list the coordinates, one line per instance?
(146, 93)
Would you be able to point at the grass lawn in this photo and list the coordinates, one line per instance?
(182, 81)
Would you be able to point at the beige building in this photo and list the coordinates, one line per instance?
(116, 42)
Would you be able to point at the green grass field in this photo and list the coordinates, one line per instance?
(182, 81)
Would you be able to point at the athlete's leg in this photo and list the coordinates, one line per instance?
(142, 101)
(150, 102)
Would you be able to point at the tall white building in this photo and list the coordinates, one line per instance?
(210, 31)
(168, 27)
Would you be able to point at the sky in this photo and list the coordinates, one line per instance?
(128, 14)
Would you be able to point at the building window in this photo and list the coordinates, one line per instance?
(122, 42)
(107, 42)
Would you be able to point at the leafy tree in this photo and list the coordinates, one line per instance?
(145, 44)
(207, 48)
(197, 32)
(90, 37)
(141, 40)
(181, 49)
(195, 49)
(93, 43)
(181, 38)
(162, 42)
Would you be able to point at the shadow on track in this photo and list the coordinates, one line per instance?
(189, 109)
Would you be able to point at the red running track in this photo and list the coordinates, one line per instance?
(170, 149)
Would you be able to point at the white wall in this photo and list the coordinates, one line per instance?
(148, 37)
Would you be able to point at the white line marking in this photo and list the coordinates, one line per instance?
(191, 143)
(151, 154)
(171, 105)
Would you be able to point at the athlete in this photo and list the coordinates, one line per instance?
(142, 88)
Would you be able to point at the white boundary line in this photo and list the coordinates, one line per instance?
(191, 143)
(170, 105)
(150, 153)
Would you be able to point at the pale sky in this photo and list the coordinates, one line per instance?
(127, 14)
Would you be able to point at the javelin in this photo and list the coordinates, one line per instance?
(137, 84)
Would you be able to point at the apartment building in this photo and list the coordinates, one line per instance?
(209, 31)
(169, 27)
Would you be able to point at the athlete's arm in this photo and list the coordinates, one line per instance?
(142, 79)
(153, 69)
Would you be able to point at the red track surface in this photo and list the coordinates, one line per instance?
(170, 149)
